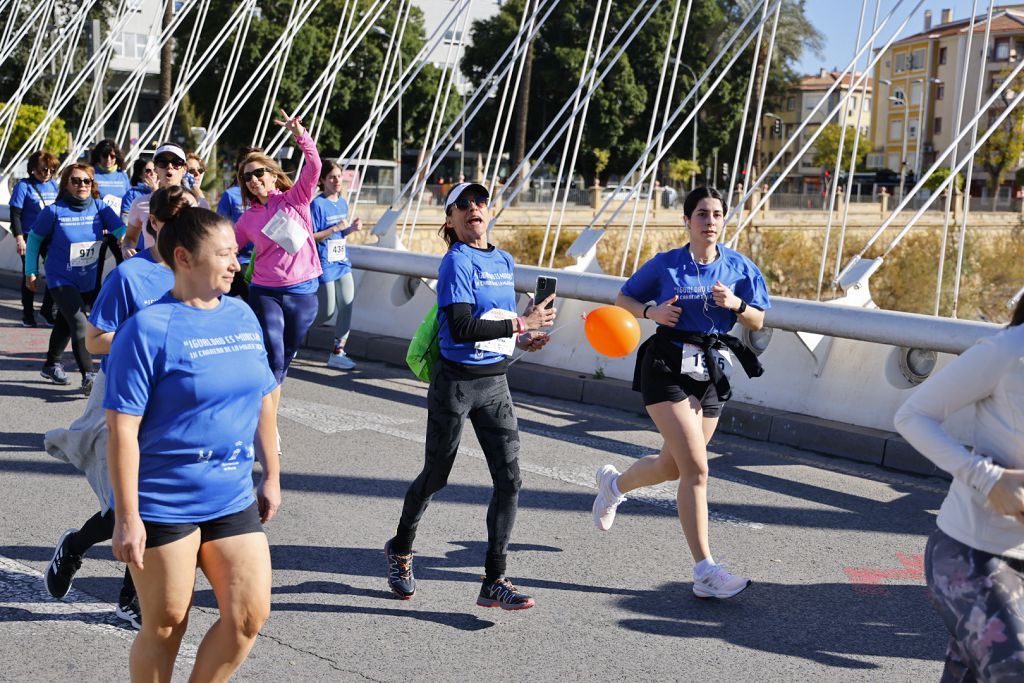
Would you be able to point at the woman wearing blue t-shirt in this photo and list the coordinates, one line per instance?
(77, 223)
(133, 285)
(696, 294)
(108, 166)
(143, 183)
(479, 329)
(181, 471)
(30, 196)
(329, 213)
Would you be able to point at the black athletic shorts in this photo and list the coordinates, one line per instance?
(660, 380)
(245, 522)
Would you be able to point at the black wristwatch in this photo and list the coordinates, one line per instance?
(742, 307)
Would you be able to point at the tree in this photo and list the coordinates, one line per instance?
(933, 181)
(1003, 150)
(28, 119)
(682, 170)
(826, 148)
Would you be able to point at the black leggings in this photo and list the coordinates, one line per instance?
(70, 325)
(97, 529)
(109, 244)
(28, 297)
(486, 401)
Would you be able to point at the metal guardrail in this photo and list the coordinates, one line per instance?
(908, 330)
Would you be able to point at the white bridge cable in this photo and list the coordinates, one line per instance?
(578, 142)
(938, 162)
(345, 18)
(523, 179)
(475, 103)
(961, 98)
(665, 146)
(503, 101)
(650, 136)
(132, 83)
(234, 57)
(756, 127)
(187, 62)
(12, 20)
(258, 73)
(35, 139)
(600, 10)
(276, 76)
(834, 185)
(97, 88)
(443, 90)
(966, 213)
(132, 99)
(349, 46)
(13, 104)
(240, 16)
(828, 117)
(664, 121)
(33, 19)
(743, 119)
(841, 242)
(65, 69)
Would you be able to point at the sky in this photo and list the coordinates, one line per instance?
(837, 21)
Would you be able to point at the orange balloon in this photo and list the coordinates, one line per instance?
(612, 331)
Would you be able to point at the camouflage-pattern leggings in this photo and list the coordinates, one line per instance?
(487, 403)
(980, 598)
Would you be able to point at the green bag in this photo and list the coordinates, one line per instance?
(250, 268)
(425, 348)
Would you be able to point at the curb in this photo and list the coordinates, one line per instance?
(826, 437)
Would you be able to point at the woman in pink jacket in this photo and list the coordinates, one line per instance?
(277, 222)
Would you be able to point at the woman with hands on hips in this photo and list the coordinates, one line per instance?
(974, 561)
(181, 471)
(479, 329)
(696, 294)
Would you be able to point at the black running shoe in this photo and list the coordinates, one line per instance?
(400, 578)
(87, 382)
(29, 322)
(503, 594)
(55, 373)
(130, 612)
(63, 567)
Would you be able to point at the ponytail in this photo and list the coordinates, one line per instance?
(166, 204)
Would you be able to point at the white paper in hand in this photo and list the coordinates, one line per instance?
(286, 232)
(503, 345)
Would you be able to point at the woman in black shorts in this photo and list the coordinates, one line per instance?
(696, 294)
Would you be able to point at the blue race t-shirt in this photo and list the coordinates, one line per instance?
(32, 196)
(197, 377)
(333, 255)
(74, 253)
(129, 288)
(479, 277)
(133, 193)
(112, 187)
(675, 272)
(230, 206)
(145, 255)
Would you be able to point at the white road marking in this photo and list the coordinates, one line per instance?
(329, 420)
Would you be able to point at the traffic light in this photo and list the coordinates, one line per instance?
(777, 128)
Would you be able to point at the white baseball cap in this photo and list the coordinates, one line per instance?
(170, 148)
(457, 191)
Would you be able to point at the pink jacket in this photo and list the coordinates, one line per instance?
(275, 267)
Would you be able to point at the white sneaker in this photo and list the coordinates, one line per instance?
(340, 361)
(606, 500)
(718, 583)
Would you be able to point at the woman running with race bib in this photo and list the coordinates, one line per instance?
(277, 222)
(182, 470)
(479, 330)
(696, 294)
(329, 213)
(77, 223)
(30, 196)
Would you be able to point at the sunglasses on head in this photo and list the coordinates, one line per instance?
(80, 182)
(463, 203)
(164, 163)
(254, 173)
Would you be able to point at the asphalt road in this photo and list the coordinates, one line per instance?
(834, 549)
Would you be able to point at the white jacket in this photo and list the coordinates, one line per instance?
(989, 375)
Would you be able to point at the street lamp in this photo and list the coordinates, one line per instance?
(898, 101)
(925, 82)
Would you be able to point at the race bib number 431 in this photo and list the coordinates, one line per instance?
(84, 254)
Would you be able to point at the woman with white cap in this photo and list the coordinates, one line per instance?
(170, 162)
(479, 329)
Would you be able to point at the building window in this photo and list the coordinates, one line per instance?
(452, 36)
(899, 94)
(790, 103)
(942, 55)
(912, 130)
(901, 62)
(1002, 50)
(132, 45)
(894, 162)
(937, 128)
(915, 93)
(940, 91)
(917, 59)
(895, 129)
(866, 104)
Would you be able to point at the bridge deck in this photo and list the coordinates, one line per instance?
(834, 548)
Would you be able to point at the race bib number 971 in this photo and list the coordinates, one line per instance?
(84, 254)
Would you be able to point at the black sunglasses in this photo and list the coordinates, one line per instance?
(164, 163)
(463, 203)
(254, 173)
(80, 182)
